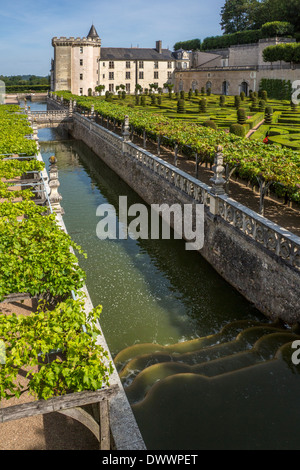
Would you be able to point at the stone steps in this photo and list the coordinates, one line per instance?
(210, 357)
(228, 333)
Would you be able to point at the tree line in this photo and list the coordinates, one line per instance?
(244, 21)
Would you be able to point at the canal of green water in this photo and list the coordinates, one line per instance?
(156, 292)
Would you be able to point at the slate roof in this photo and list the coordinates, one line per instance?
(134, 53)
(93, 33)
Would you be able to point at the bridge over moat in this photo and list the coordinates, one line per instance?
(51, 118)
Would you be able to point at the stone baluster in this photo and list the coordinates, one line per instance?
(70, 108)
(218, 182)
(125, 133)
(54, 184)
(92, 112)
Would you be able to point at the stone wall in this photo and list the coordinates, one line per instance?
(258, 258)
(234, 77)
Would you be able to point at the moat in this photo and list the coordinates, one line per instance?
(218, 392)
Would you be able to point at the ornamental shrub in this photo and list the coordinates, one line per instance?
(181, 106)
(143, 100)
(264, 95)
(202, 105)
(208, 91)
(202, 90)
(190, 94)
(262, 105)
(210, 124)
(159, 100)
(242, 96)
(196, 92)
(153, 99)
(222, 100)
(182, 94)
(268, 115)
(137, 100)
(241, 115)
(254, 104)
(238, 129)
(237, 102)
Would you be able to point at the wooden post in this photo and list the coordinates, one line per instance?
(104, 428)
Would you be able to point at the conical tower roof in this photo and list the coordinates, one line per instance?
(93, 33)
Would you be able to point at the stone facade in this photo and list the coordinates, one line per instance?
(230, 71)
(75, 64)
(80, 64)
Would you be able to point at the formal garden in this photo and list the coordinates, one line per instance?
(199, 121)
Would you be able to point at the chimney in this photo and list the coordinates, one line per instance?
(158, 46)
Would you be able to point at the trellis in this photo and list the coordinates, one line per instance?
(71, 405)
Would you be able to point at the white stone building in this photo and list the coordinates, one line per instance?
(81, 64)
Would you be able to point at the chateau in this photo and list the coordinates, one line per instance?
(81, 64)
(230, 71)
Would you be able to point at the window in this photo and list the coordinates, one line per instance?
(155, 74)
(156, 64)
(127, 75)
(128, 87)
(111, 76)
(111, 87)
(141, 75)
(128, 64)
(141, 64)
(103, 76)
(81, 76)
(81, 91)
(103, 64)
(111, 64)
(169, 65)
(169, 74)
(81, 61)
(81, 50)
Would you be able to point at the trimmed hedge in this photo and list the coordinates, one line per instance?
(238, 129)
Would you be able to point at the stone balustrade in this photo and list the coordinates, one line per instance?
(269, 235)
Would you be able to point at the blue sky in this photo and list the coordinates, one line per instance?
(27, 26)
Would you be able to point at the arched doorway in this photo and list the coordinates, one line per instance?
(208, 85)
(244, 87)
(225, 87)
(194, 85)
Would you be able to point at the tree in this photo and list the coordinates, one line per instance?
(281, 10)
(239, 15)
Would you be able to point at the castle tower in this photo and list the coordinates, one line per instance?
(75, 64)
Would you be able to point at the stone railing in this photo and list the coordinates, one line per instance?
(50, 113)
(270, 236)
